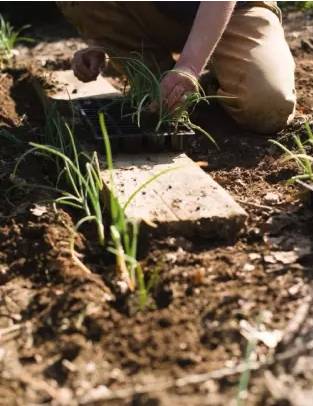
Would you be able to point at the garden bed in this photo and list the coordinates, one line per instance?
(70, 338)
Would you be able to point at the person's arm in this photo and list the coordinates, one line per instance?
(209, 24)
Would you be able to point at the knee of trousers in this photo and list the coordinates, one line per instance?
(264, 109)
(73, 12)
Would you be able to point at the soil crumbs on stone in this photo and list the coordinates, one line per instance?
(67, 338)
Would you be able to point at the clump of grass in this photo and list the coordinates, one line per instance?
(301, 154)
(9, 38)
(79, 183)
(250, 351)
(76, 172)
(144, 88)
(246, 374)
(124, 234)
(125, 231)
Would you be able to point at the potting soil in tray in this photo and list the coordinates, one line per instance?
(124, 134)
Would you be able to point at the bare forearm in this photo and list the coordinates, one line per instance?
(208, 27)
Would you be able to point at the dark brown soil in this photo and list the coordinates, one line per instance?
(67, 337)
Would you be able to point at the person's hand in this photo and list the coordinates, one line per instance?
(87, 63)
(176, 85)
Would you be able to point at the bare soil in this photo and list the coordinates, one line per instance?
(70, 338)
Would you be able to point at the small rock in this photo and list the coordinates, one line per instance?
(254, 256)
(171, 257)
(295, 34)
(295, 289)
(271, 198)
(69, 365)
(64, 397)
(3, 269)
(123, 286)
(38, 210)
(117, 375)
(101, 392)
(248, 267)
(183, 346)
(286, 257)
(269, 259)
(90, 367)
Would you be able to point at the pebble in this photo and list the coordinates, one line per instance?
(270, 259)
(96, 394)
(254, 256)
(286, 257)
(248, 267)
(271, 198)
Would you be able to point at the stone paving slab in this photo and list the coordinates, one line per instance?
(71, 87)
(184, 201)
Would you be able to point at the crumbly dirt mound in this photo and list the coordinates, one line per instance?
(8, 114)
(20, 103)
(67, 337)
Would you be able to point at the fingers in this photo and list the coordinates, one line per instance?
(80, 70)
(175, 97)
(86, 64)
(94, 66)
(174, 88)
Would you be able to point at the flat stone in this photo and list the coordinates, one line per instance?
(72, 88)
(185, 200)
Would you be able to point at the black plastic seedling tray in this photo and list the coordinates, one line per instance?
(125, 135)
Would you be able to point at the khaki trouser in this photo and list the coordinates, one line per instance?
(252, 62)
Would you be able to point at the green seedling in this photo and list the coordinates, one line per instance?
(78, 177)
(144, 89)
(124, 231)
(246, 374)
(79, 183)
(9, 38)
(300, 154)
